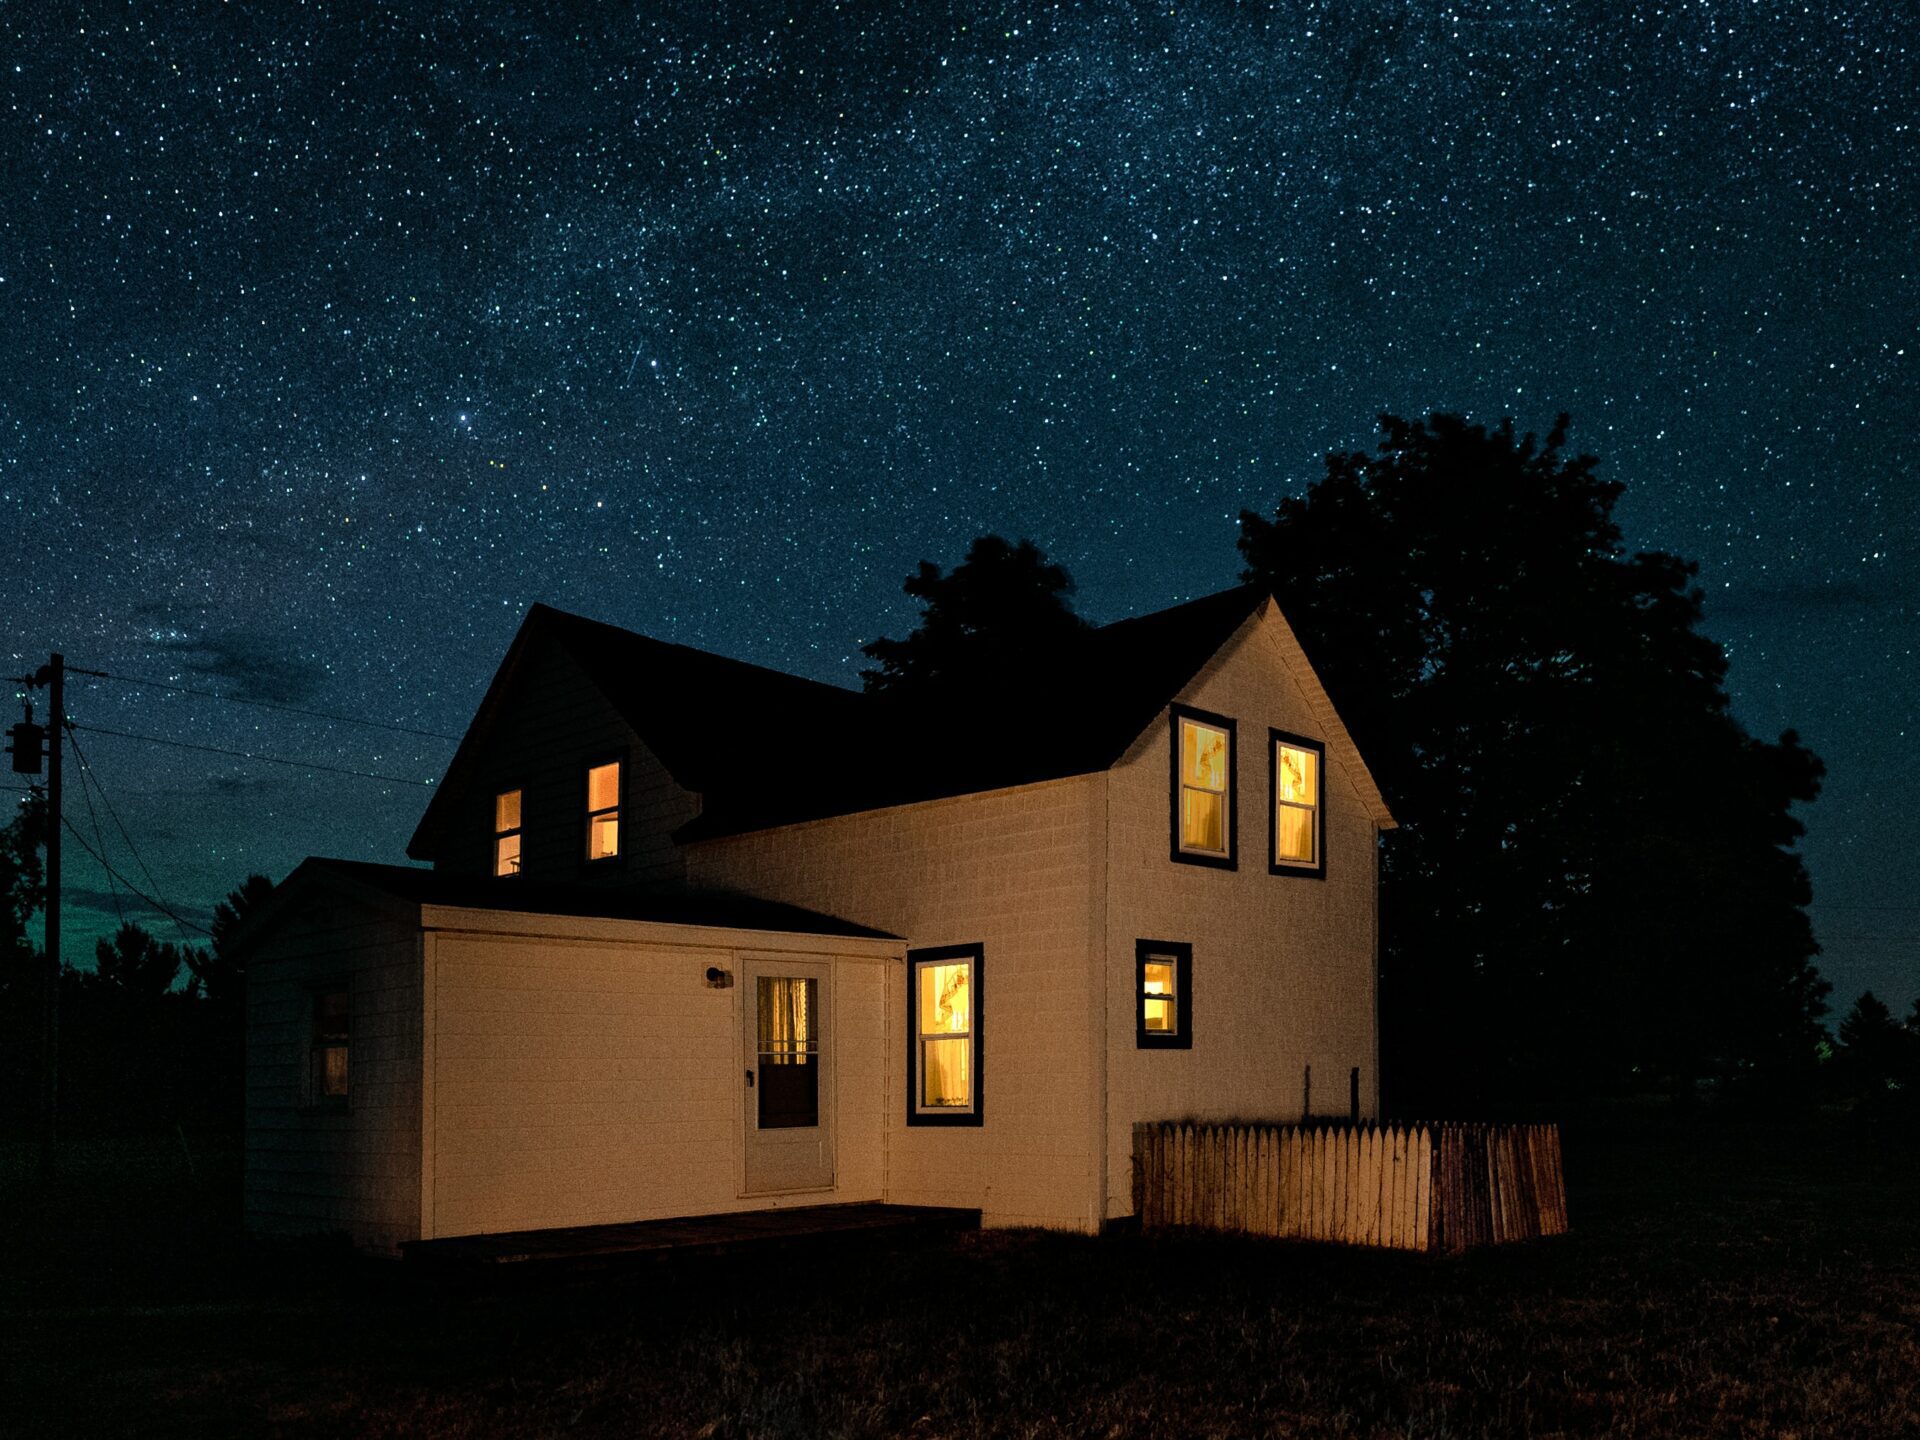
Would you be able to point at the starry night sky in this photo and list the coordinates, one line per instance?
(335, 335)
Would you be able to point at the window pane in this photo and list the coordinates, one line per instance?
(1203, 756)
(1296, 833)
(506, 811)
(1203, 821)
(506, 855)
(946, 999)
(789, 1094)
(944, 1073)
(1159, 1015)
(1158, 977)
(333, 1070)
(785, 1018)
(604, 837)
(1299, 780)
(603, 786)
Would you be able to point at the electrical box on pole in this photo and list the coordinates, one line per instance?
(27, 743)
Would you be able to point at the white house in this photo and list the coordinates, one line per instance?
(700, 936)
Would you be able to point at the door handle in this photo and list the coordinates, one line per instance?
(749, 1079)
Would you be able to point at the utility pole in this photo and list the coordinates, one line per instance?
(27, 738)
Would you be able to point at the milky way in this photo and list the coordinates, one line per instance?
(336, 335)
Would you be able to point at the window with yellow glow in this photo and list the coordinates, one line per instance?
(1203, 783)
(1163, 1005)
(506, 833)
(1298, 765)
(330, 1076)
(944, 1000)
(603, 811)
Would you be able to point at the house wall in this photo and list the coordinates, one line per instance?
(553, 723)
(1015, 870)
(311, 1169)
(1283, 966)
(580, 1081)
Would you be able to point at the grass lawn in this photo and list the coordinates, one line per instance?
(1718, 1283)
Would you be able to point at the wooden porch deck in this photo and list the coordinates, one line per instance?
(692, 1234)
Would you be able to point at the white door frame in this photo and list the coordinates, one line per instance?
(802, 1159)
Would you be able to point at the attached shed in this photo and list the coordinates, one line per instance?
(433, 1055)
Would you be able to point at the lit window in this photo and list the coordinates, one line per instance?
(506, 833)
(1164, 980)
(1203, 786)
(1298, 839)
(788, 1091)
(943, 1003)
(603, 811)
(328, 1081)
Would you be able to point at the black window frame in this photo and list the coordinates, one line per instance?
(1231, 860)
(1275, 865)
(493, 850)
(1181, 953)
(588, 859)
(975, 952)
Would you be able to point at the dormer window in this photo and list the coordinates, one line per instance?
(1299, 838)
(603, 811)
(1204, 823)
(506, 833)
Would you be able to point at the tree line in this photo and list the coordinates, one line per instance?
(1593, 888)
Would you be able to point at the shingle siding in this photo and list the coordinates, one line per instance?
(312, 1169)
(554, 722)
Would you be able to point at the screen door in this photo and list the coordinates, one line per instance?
(788, 1076)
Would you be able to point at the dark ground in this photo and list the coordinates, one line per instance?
(1721, 1281)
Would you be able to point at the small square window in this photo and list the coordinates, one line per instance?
(943, 1036)
(1163, 994)
(1204, 824)
(1297, 843)
(506, 833)
(603, 811)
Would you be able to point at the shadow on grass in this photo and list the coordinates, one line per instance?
(1719, 1282)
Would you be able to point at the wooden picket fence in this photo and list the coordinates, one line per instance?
(1437, 1187)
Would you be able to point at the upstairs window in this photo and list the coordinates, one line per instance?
(1163, 974)
(1299, 838)
(943, 1023)
(1204, 823)
(327, 1083)
(506, 833)
(603, 811)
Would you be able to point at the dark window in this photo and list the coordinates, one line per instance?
(1205, 795)
(329, 1080)
(944, 1058)
(1297, 811)
(1163, 994)
(789, 1051)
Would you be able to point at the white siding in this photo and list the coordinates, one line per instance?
(1283, 966)
(583, 1081)
(310, 1169)
(1013, 870)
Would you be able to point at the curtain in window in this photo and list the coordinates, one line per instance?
(786, 1020)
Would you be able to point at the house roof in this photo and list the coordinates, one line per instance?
(764, 748)
(716, 909)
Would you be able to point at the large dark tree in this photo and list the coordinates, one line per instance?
(998, 611)
(134, 961)
(1594, 883)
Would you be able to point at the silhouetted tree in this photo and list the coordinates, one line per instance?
(137, 963)
(1594, 876)
(1877, 1053)
(218, 970)
(999, 611)
(22, 975)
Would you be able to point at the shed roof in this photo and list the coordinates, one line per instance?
(716, 909)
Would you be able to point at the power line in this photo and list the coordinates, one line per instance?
(244, 755)
(262, 704)
(86, 793)
(107, 865)
(88, 775)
